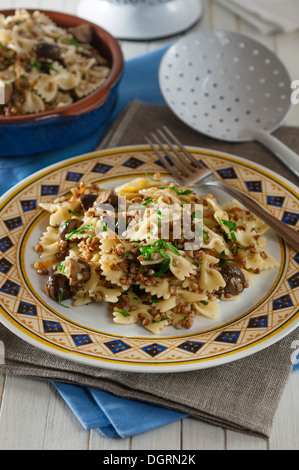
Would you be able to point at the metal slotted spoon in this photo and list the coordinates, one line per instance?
(230, 87)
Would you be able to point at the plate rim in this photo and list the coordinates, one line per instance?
(195, 364)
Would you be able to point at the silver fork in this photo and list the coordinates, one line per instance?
(189, 172)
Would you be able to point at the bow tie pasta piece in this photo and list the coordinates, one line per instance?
(33, 103)
(47, 61)
(49, 243)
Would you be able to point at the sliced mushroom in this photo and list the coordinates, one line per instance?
(104, 200)
(58, 288)
(233, 277)
(87, 200)
(79, 271)
(47, 50)
(83, 33)
(68, 227)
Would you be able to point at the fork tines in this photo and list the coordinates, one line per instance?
(174, 156)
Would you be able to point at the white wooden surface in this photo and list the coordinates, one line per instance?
(32, 414)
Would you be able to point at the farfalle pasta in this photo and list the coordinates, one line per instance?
(107, 246)
(45, 67)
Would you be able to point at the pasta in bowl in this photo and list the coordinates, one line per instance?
(44, 66)
(59, 76)
(157, 252)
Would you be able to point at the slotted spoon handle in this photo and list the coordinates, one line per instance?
(287, 156)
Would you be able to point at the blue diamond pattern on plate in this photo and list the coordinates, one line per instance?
(282, 302)
(49, 190)
(81, 340)
(27, 309)
(227, 173)
(275, 201)
(191, 346)
(296, 258)
(290, 218)
(28, 205)
(11, 288)
(101, 168)
(158, 162)
(133, 163)
(228, 337)
(258, 322)
(13, 223)
(154, 349)
(5, 265)
(5, 244)
(72, 176)
(254, 186)
(117, 346)
(52, 326)
(294, 281)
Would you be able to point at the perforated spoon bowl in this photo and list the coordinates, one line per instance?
(230, 87)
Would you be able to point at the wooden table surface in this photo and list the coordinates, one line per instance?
(32, 414)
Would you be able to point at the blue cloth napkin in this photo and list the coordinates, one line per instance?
(111, 415)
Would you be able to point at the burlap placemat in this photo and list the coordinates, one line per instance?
(242, 395)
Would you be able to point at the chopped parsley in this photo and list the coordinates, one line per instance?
(79, 230)
(167, 245)
(51, 67)
(241, 248)
(73, 41)
(231, 226)
(179, 193)
(148, 201)
(76, 43)
(60, 300)
(77, 214)
(233, 235)
(61, 267)
(35, 63)
(206, 236)
(164, 268)
(103, 226)
(159, 213)
(222, 260)
(157, 247)
(38, 65)
(124, 314)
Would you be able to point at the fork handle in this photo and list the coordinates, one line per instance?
(290, 235)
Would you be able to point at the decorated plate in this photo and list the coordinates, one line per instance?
(264, 314)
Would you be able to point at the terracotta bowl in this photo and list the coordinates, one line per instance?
(72, 122)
